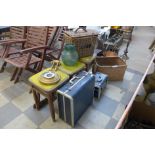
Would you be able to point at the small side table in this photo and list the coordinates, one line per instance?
(71, 70)
(46, 90)
(88, 61)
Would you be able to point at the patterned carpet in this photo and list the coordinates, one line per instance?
(16, 104)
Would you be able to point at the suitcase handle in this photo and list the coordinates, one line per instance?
(72, 80)
(99, 79)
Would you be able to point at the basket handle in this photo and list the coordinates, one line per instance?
(81, 27)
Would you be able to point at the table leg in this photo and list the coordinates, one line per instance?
(38, 97)
(51, 106)
(30, 91)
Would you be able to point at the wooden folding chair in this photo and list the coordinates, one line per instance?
(37, 38)
(16, 33)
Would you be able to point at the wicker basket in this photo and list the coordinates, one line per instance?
(84, 41)
(107, 54)
(114, 67)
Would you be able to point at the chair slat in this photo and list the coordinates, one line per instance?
(37, 36)
(18, 32)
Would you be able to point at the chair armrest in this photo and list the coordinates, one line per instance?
(13, 41)
(7, 40)
(30, 50)
(3, 41)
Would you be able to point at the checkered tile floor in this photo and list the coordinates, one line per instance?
(16, 104)
(16, 107)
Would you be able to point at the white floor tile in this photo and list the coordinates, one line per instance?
(114, 92)
(6, 83)
(21, 122)
(59, 124)
(128, 75)
(3, 100)
(94, 119)
(118, 112)
(24, 101)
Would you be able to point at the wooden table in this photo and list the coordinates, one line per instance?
(47, 91)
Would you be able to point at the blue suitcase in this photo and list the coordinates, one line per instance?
(100, 84)
(75, 97)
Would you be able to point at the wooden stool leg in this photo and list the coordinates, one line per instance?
(51, 106)
(18, 75)
(14, 74)
(30, 91)
(37, 101)
(35, 66)
(38, 96)
(40, 66)
(3, 67)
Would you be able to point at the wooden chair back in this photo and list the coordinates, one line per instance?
(59, 36)
(18, 32)
(36, 36)
(40, 35)
(61, 31)
(57, 44)
(52, 30)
